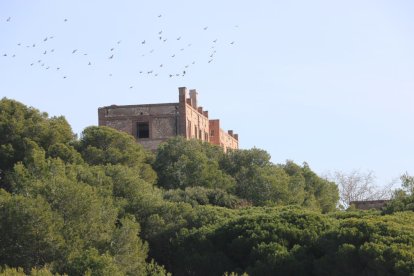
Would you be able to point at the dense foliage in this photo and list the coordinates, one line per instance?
(102, 205)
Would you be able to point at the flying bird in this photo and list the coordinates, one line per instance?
(119, 42)
(18, 44)
(205, 28)
(173, 55)
(112, 49)
(178, 38)
(160, 15)
(89, 63)
(143, 42)
(160, 32)
(165, 40)
(74, 51)
(8, 19)
(45, 39)
(66, 20)
(44, 52)
(161, 65)
(210, 61)
(64, 77)
(215, 40)
(111, 57)
(232, 42)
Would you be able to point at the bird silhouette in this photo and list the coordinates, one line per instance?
(215, 40)
(8, 19)
(74, 51)
(173, 55)
(205, 28)
(66, 20)
(112, 49)
(44, 52)
(160, 32)
(178, 38)
(143, 42)
(89, 63)
(45, 39)
(161, 65)
(111, 57)
(160, 15)
(210, 61)
(119, 41)
(232, 42)
(18, 44)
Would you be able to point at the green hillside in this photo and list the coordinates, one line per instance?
(102, 205)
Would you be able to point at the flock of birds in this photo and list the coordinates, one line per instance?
(147, 47)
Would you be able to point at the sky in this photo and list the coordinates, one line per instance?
(330, 83)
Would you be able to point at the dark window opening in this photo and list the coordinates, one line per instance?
(143, 130)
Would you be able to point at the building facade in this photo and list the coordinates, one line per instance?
(152, 124)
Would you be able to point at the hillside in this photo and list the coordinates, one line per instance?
(102, 205)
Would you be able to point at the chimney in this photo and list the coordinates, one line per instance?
(205, 113)
(230, 132)
(189, 101)
(200, 109)
(236, 136)
(182, 94)
(193, 97)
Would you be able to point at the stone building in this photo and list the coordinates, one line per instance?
(369, 204)
(152, 124)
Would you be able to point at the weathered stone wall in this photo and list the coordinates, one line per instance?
(369, 204)
(184, 118)
(163, 120)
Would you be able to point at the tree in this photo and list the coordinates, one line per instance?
(359, 186)
(105, 145)
(30, 232)
(182, 163)
(21, 126)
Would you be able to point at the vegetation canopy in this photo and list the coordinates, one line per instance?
(102, 205)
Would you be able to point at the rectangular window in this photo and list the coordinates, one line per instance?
(195, 132)
(212, 132)
(200, 135)
(143, 130)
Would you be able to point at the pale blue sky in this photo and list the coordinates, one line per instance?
(326, 82)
